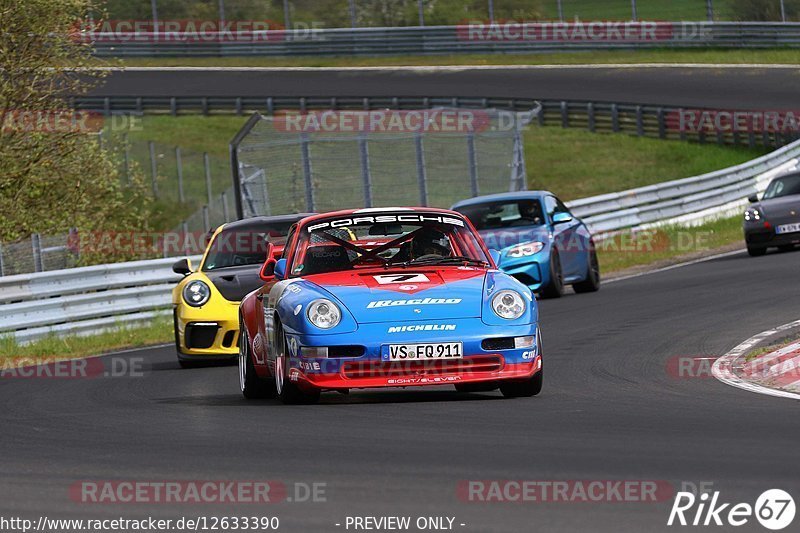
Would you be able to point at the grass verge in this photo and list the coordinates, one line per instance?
(706, 56)
(51, 348)
(758, 352)
(669, 244)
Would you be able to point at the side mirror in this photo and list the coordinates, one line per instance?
(753, 198)
(280, 269)
(561, 218)
(267, 272)
(495, 256)
(182, 266)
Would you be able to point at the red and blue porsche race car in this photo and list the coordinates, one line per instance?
(395, 297)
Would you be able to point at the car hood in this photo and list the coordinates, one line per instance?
(779, 210)
(233, 283)
(407, 295)
(500, 239)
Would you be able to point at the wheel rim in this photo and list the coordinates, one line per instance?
(242, 360)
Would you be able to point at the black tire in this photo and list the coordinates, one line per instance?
(477, 387)
(523, 389)
(756, 251)
(252, 386)
(592, 281)
(555, 288)
(288, 392)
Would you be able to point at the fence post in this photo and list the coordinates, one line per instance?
(2, 263)
(421, 13)
(473, 164)
(614, 118)
(309, 181)
(634, 14)
(207, 167)
(206, 221)
(662, 129)
(179, 166)
(287, 20)
(590, 113)
(519, 174)
(225, 211)
(422, 177)
(353, 13)
(185, 231)
(639, 121)
(153, 166)
(710, 10)
(783, 11)
(491, 11)
(36, 246)
(127, 149)
(560, 11)
(366, 176)
(564, 115)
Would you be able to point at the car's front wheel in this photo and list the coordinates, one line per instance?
(288, 391)
(592, 281)
(251, 385)
(555, 287)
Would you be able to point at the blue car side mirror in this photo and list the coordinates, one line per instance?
(495, 256)
(561, 218)
(280, 269)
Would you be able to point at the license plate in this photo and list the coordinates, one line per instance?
(787, 228)
(412, 352)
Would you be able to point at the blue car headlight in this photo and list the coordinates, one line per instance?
(324, 314)
(508, 304)
(525, 249)
(196, 293)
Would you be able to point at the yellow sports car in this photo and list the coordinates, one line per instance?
(206, 301)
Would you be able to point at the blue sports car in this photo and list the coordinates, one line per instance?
(541, 243)
(395, 297)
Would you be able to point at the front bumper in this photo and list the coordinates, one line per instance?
(530, 272)
(207, 332)
(371, 370)
(766, 237)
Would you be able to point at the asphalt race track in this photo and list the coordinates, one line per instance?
(609, 411)
(713, 87)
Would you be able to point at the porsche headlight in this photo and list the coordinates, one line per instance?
(526, 249)
(196, 293)
(752, 214)
(508, 305)
(324, 313)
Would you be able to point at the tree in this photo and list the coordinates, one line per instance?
(54, 175)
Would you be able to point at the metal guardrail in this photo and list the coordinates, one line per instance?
(92, 299)
(663, 122)
(85, 300)
(470, 39)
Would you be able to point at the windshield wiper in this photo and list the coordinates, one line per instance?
(457, 260)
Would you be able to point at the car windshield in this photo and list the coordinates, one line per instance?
(244, 246)
(785, 186)
(504, 214)
(387, 239)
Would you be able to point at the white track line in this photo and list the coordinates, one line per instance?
(456, 68)
(723, 367)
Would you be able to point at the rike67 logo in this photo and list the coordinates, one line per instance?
(774, 509)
